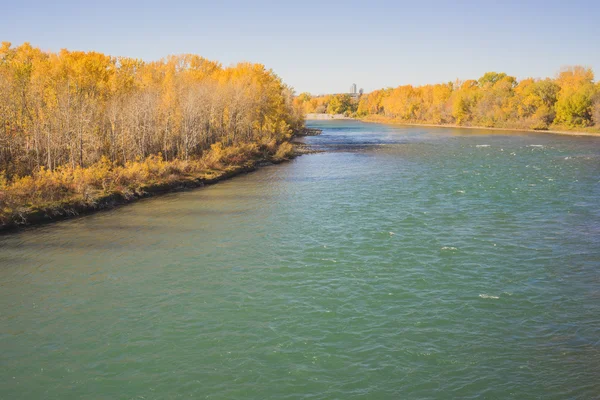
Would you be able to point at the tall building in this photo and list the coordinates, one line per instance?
(353, 88)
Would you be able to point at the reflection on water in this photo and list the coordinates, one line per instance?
(405, 262)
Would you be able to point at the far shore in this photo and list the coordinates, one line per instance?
(554, 132)
(323, 116)
(383, 120)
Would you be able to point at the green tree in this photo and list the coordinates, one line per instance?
(490, 78)
(574, 108)
(340, 104)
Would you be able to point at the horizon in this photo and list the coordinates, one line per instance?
(359, 87)
(324, 49)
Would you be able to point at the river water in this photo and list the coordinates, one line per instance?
(401, 262)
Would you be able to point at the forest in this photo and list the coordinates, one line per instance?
(76, 125)
(569, 101)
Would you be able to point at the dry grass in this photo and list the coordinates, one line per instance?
(285, 151)
(46, 189)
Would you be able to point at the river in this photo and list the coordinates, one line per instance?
(401, 262)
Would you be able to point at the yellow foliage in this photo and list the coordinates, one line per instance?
(284, 151)
(494, 100)
(3, 180)
(78, 107)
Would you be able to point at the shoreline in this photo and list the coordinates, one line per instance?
(325, 117)
(554, 132)
(71, 209)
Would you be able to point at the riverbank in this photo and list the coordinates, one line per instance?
(50, 196)
(377, 119)
(323, 116)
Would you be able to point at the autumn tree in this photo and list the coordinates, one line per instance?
(76, 108)
(574, 104)
(494, 100)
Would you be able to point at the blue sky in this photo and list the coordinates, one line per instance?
(325, 46)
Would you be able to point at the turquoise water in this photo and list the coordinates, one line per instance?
(402, 262)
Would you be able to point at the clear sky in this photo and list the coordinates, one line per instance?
(325, 46)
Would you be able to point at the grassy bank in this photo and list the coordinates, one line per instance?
(555, 129)
(65, 192)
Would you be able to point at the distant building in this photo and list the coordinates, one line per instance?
(353, 88)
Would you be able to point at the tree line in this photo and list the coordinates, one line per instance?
(75, 108)
(570, 100)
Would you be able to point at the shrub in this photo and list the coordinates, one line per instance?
(284, 151)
